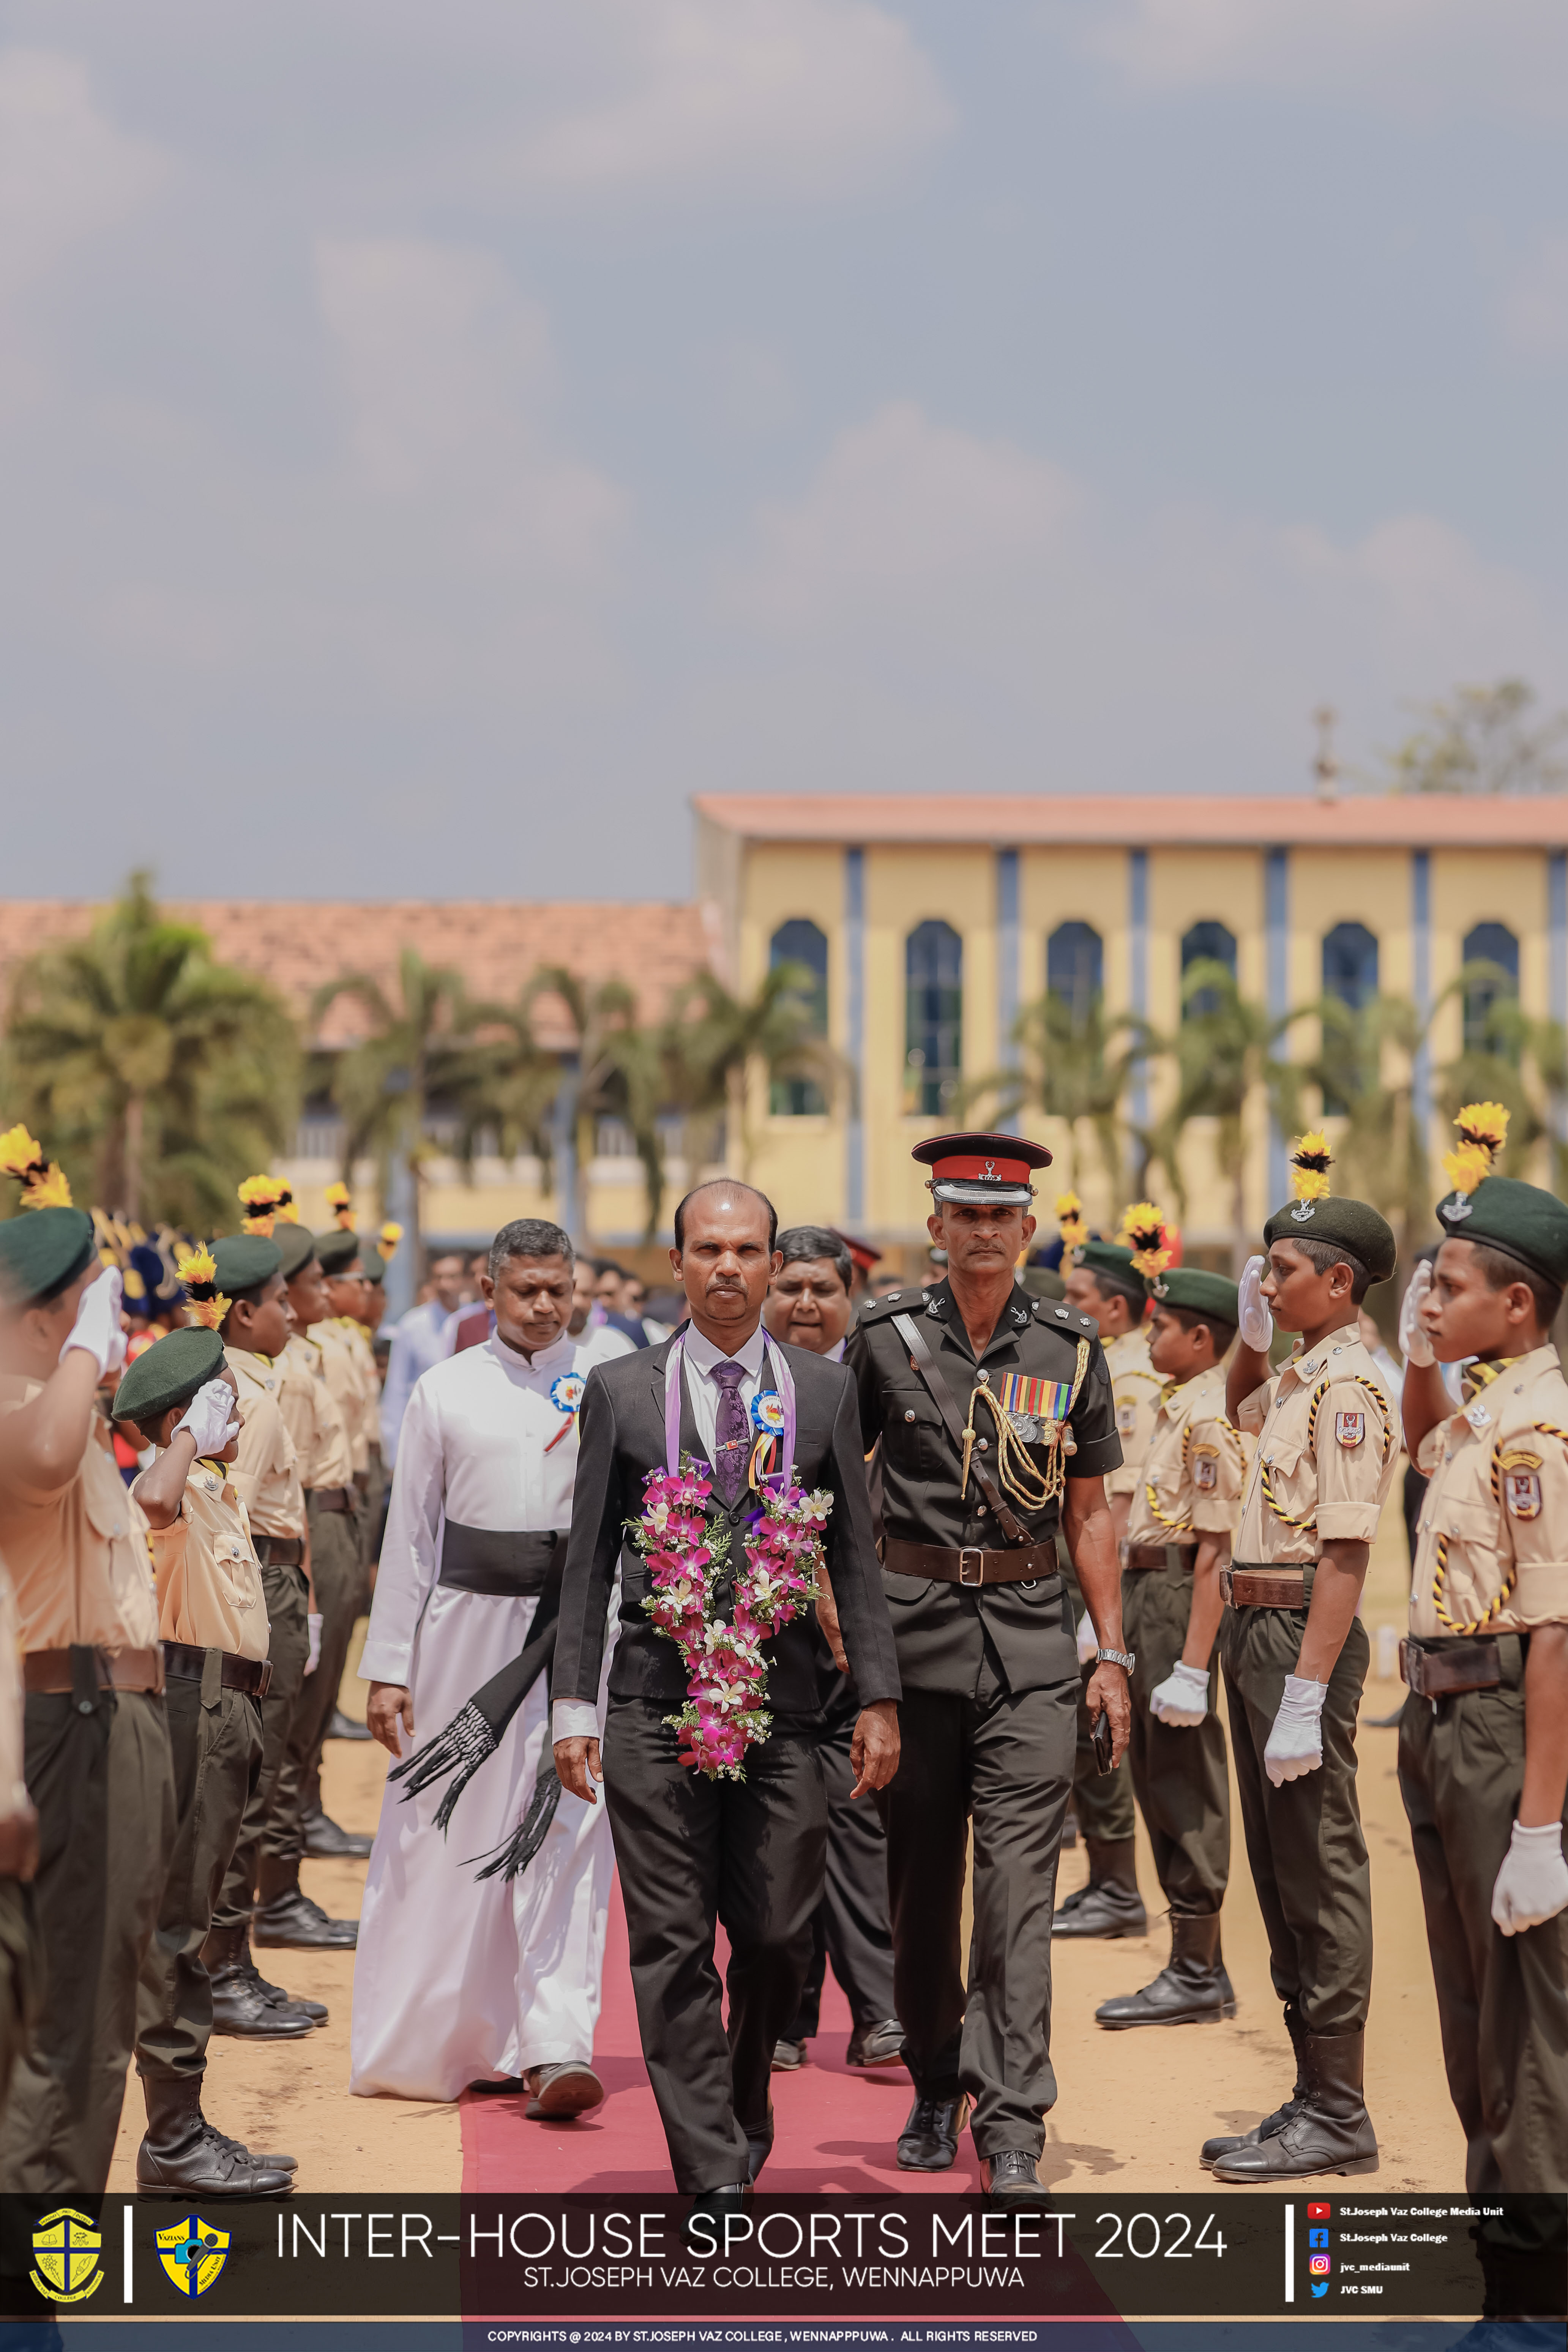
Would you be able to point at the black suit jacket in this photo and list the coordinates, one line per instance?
(621, 1438)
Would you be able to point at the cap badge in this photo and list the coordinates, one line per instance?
(1458, 1209)
(990, 1168)
(1301, 1212)
(1162, 1288)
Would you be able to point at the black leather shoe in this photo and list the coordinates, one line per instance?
(182, 2155)
(1331, 2130)
(711, 2205)
(787, 2056)
(1224, 2142)
(1192, 1988)
(292, 1919)
(876, 2045)
(325, 1842)
(1108, 1909)
(240, 2005)
(316, 2010)
(928, 2141)
(1010, 2175)
(271, 2163)
(343, 1727)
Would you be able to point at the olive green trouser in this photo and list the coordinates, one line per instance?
(1502, 2000)
(370, 1515)
(1178, 1772)
(1102, 1801)
(214, 1737)
(275, 1798)
(98, 1770)
(1304, 1839)
(21, 1976)
(338, 1574)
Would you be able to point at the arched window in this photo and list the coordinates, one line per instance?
(799, 942)
(1350, 964)
(1206, 943)
(1075, 969)
(1495, 944)
(933, 1019)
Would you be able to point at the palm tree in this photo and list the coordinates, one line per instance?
(712, 1041)
(1365, 1071)
(611, 1072)
(1225, 1051)
(159, 1076)
(1069, 1070)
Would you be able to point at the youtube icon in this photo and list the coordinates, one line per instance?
(1316, 2211)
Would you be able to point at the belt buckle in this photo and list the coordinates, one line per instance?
(971, 1551)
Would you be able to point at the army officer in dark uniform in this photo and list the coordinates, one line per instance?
(996, 1420)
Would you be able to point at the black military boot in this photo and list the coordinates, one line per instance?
(240, 2005)
(1331, 2130)
(325, 1840)
(184, 2155)
(286, 1914)
(1224, 2142)
(928, 2141)
(1192, 1988)
(1111, 1904)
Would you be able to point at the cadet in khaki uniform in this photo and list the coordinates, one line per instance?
(183, 1399)
(97, 1743)
(284, 1915)
(1104, 1283)
(1295, 1655)
(1178, 1541)
(265, 1475)
(1483, 1738)
(350, 1372)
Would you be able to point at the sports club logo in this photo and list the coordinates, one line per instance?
(66, 2248)
(193, 2252)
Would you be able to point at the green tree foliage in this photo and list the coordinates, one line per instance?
(157, 1075)
(1073, 1066)
(1481, 740)
(711, 1042)
(1224, 1054)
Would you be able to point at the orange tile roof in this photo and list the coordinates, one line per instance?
(299, 944)
(1405, 820)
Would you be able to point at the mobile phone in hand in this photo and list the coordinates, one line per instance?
(1100, 1733)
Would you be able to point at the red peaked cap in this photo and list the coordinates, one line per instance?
(861, 1253)
(980, 1168)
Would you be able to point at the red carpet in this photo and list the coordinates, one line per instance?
(834, 2129)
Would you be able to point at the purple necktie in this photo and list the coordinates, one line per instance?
(732, 1435)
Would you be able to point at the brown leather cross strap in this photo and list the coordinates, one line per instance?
(1267, 1588)
(973, 1567)
(940, 1395)
(188, 1661)
(48, 1672)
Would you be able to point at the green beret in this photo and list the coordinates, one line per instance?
(1111, 1258)
(1353, 1225)
(1519, 1218)
(1040, 1282)
(373, 1266)
(40, 1251)
(1195, 1287)
(244, 1260)
(298, 1247)
(169, 1373)
(337, 1250)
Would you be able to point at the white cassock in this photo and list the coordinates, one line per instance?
(456, 1980)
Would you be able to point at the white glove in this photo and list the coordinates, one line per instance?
(98, 1327)
(210, 1417)
(313, 1655)
(1088, 1640)
(1296, 1743)
(1532, 1884)
(1255, 1322)
(1413, 1344)
(1183, 1698)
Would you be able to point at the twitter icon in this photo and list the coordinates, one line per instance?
(1320, 2287)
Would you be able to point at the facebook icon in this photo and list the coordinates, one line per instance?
(1317, 2237)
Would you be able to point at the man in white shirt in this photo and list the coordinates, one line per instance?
(418, 1340)
(459, 1980)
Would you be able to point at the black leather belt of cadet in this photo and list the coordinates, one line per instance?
(1175, 1557)
(1441, 1669)
(500, 1561)
(188, 1661)
(332, 1498)
(279, 1551)
(1267, 1588)
(971, 1567)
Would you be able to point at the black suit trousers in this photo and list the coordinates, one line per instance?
(692, 1853)
(850, 1925)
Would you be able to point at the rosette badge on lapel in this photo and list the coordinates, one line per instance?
(566, 1396)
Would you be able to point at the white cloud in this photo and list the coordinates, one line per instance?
(1511, 54)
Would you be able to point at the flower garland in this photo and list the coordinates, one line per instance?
(726, 1676)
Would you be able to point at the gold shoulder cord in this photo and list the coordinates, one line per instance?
(1516, 1459)
(1016, 1475)
(1310, 1519)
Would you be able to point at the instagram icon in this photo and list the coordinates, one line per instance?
(1320, 2265)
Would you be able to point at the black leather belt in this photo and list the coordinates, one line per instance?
(1463, 1663)
(500, 1561)
(332, 1498)
(1267, 1588)
(279, 1551)
(186, 1661)
(972, 1566)
(1141, 1556)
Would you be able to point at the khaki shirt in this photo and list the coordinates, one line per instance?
(1327, 1446)
(1191, 1479)
(315, 1424)
(1135, 1387)
(209, 1578)
(13, 1777)
(79, 1557)
(1491, 1554)
(370, 1380)
(341, 1364)
(265, 1476)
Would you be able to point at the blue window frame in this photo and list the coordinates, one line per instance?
(1495, 944)
(1350, 964)
(800, 942)
(1206, 943)
(1074, 968)
(933, 1018)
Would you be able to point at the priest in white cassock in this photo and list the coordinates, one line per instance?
(460, 1980)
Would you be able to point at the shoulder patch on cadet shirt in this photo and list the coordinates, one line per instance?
(1521, 1484)
(1349, 1428)
(1205, 1468)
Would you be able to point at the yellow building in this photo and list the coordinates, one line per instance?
(930, 921)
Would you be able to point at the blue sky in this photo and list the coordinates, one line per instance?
(438, 439)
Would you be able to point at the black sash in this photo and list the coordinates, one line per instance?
(500, 1560)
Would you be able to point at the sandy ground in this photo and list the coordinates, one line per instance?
(1133, 2106)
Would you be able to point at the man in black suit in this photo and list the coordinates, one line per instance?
(694, 1851)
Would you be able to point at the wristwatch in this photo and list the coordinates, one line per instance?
(1125, 1658)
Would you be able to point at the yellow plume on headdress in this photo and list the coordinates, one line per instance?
(340, 1200)
(1142, 1231)
(1069, 1217)
(1310, 1161)
(44, 1185)
(197, 1269)
(265, 1200)
(386, 1241)
(1483, 1131)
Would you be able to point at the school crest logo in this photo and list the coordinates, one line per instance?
(1522, 1487)
(65, 2249)
(1205, 1469)
(193, 2252)
(1349, 1428)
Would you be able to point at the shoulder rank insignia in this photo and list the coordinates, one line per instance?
(1522, 1485)
(1349, 1428)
